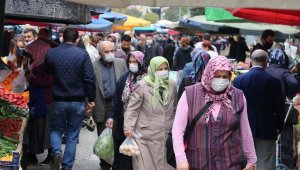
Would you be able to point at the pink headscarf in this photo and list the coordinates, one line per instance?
(139, 56)
(223, 64)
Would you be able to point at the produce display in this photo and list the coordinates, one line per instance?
(6, 147)
(8, 110)
(13, 109)
(10, 127)
(104, 146)
(17, 99)
(129, 147)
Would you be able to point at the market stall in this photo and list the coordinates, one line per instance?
(13, 118)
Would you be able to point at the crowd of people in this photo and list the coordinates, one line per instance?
(123, 83)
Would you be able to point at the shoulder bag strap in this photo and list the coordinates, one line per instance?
(190, 127)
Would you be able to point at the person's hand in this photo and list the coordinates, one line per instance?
(109, 123)
(182, 166)
(89, 108)
(249, 167)
(128, 133)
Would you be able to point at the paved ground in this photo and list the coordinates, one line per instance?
(85, 159)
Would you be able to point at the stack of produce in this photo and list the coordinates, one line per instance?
(6, 147)
(13, 107)
(17, 99)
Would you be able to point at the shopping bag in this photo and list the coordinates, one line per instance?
(104, 146)
(19, 83)
(129, 147)
(4, 74)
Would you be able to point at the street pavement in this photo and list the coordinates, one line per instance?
(85, 159)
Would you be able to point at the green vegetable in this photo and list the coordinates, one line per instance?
(8, 110)
(6, 146)
(104, 148)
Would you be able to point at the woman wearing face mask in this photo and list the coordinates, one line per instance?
(222, 134)
(193, 74)
(124, 89)
(150, 115)
(15, 49)
(183, 54)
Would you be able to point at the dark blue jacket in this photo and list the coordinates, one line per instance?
(289, 84)
(72, 71)
(265, 102)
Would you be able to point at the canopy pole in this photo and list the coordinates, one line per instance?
(2, 11)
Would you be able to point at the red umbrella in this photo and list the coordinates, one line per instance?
(173, 32)
(273, 16)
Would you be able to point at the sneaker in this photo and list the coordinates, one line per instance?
(47, 161)
(55, 165)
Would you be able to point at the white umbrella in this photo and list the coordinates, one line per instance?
(275, 4)
(167, 24)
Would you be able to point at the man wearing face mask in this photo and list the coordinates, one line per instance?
(108, 70)
(265, 104)
(30, 35)
(126, 47)
(151, 49)
(267, 39)
(92, 48)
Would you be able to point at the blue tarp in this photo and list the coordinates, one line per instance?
(114, 17)
(96, 25)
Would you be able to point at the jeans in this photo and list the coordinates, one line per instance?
(66, 119)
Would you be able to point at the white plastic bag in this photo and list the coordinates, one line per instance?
(19, 83)
(129, 147)
(104, 146)
(4, 74)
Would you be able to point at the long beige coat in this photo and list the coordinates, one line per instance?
(153, 125)
(100, 109)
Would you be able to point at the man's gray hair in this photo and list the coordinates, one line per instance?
(259, 56)
(101, 44)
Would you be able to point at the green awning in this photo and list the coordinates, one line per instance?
(220, 15)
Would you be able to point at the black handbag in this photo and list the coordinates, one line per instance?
(188, 132)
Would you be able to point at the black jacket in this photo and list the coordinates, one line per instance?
(117, 112)
(182, 56)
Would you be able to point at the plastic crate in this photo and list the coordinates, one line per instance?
(11, 165)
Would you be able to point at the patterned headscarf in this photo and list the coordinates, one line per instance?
(139, 56)
(159, 85)
(278, 57)
(200, 61)
(223, 64)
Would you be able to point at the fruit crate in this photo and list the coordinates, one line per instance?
(13, 164)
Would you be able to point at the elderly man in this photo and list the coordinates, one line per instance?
(265, 105)
(108, 70)
(92, 48)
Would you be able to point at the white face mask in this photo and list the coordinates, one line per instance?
(149, 42)
(61, 39)
(219, 84)
(109, 57)
(162, 74)
(134, 68)
(28, 42)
